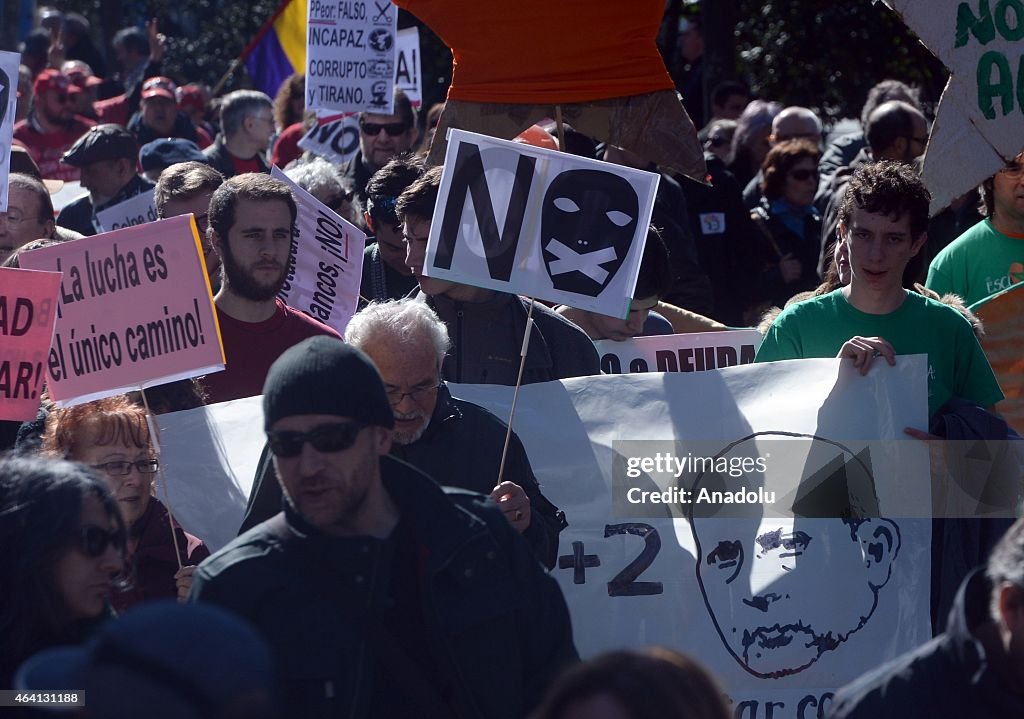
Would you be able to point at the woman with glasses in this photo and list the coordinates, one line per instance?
(111, 436)
(64, 542)
(789, 240)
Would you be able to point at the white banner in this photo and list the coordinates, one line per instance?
(136, 210)
(350, 56)
(517, 218)
(782, 610)
(692, 352)
(325, 263)
(407, 65)
(9, 62)
(336, 140)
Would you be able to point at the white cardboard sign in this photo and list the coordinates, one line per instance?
(136, 210)
(9, 62)
(408, 72)
(692, 352)
(335, 139)
(350, 56)
(325, 263)
(516, 218)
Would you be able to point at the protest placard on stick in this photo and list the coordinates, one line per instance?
(28, 302)
(136, 210)
(696, 352)
(134, 310)
(9, 62)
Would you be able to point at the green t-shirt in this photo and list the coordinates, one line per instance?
(978, 263)
(957, 366)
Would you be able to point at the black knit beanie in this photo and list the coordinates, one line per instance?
(323, 375)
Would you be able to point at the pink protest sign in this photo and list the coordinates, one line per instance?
(27, 303)
(134, 311)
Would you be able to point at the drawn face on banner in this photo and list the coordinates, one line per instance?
(588, 222)
(782, 591)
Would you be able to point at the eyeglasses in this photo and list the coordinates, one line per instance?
(122, 468)
(393, 129)
(802, 175)
(333, 437)
(395, 395)
(1013, 171)
(93, 541)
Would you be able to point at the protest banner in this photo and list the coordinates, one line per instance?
(28, 301)
(325, 264)
(9, 62)
(978, 120)
(694, 352)
(335, 139)
(516, 218)
(136, 210)
(408, 76)
(350, 56)
(1003, 317)
(134, 311)
(633, 581)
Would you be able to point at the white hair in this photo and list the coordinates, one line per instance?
(401, 320)
(318, 177)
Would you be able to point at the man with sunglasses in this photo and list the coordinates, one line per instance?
(247, 124)
(51, 126)
(381, 137)
(989, 257)
(377, 589)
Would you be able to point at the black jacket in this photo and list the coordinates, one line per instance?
(80, 216)
(220, 158)
(461, 447)
(359, 173)
(774, 240)
(949, 676)
(494, 627)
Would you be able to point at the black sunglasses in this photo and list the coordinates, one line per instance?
(333, 437)
(802, 175)
(93, 541)
(393, 129)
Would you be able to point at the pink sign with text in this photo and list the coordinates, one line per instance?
(28, 300)
(134, 310)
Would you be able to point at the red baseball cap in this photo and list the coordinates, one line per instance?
(159, 87)
(51, 80)
(191, 96)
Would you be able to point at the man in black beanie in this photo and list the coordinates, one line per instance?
(378, 590)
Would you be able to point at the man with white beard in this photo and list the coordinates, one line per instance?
(456, 442)
(107, 157)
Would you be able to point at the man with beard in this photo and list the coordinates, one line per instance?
(106, 156)
(456, 442)
(252, 219)
(51, 126)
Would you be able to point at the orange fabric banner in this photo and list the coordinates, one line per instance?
(1003, 315)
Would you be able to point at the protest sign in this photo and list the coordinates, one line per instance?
(977, 124)
(695, 352)
(516, 218)
(9, 62)
(136, 210)
(407, 65)
(134, 311)
(632, 582)
(335, 139)
(28, 302)
(1003, 317)
(350, 56)
(325, 264)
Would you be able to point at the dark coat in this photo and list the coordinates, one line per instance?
(947, 677)
(495, 628)
(80, 216)
(154, 564)
(776, 240)
(460, 448)
(359, 173)
(220, 158)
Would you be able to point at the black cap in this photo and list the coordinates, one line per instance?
(323, 375)
(167, 151)
(102, 142)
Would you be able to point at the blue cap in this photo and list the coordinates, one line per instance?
(167, 151)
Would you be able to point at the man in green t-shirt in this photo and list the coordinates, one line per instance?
(882, 222)
(989, 257)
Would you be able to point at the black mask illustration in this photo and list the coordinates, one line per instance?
(587, 225)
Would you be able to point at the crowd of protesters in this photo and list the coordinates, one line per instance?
(364, 588)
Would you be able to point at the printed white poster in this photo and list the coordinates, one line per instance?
(350, 56)
(692, 352)
(326, 261)
(136, 210)
(334, 138)
(408, 73)
(9, 62)
(516, 218)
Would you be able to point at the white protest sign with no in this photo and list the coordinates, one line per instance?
(407, 65)
(692, 352)
(336, 140)
(326, 261)
(522, 219)
(350, 56)
(9, 62)
(136, 210)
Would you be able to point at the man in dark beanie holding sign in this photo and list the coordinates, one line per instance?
(378, 590)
